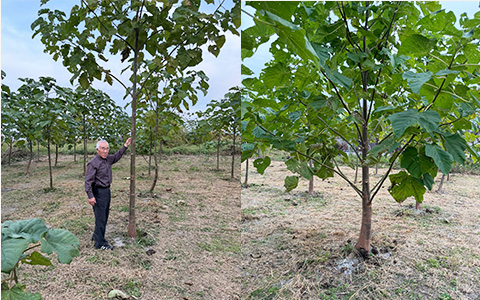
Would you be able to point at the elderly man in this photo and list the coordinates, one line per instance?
(97, 187)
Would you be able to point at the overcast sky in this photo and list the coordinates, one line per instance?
(262, 55)
(23, 57)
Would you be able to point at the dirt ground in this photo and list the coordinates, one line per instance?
(300, 246)
(189, 241)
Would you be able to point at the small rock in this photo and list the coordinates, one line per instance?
(117, 294)
(181, 202)
(151, 252)
(294, 203)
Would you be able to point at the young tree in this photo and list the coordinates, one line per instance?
(353, 69)
(223, 118)
(168, 34)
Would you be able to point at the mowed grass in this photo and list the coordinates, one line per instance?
(187, 230)
(300, 246)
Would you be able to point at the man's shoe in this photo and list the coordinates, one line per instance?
(107, 247)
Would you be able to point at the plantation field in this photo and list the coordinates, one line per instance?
(189, 229)
(300, 246)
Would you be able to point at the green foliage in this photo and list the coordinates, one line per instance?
(331, 76)
(17, 238)
(377, 80)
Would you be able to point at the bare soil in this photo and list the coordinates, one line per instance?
(300, 246)
(189, 229)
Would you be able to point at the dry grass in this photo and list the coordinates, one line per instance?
(192, 224)
(300, 246)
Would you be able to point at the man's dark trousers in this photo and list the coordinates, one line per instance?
(101, 210)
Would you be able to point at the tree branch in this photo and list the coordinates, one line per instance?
(317, 161)
(332, 169)
(443, 82)
(344, 18)
(380, 183)
(103, 25)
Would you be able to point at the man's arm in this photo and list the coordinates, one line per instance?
(89, 179)
(116, 157)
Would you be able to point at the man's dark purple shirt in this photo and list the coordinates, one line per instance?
(99, 171)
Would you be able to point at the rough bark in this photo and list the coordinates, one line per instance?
(218, 153)
(56, 154)
(30, 158)
(132, 226)
(233, 152)
(310, 183)
(155, 161)
(245, 184)
(50, 164)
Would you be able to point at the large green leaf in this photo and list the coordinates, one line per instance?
(442, 158)
(18, 292)
(305, 171)
(63, 242)
(456, 146)
(31, 229)
(402, 120)
(429, 120)
(276, 75)
(411, 161)
(291, 182)
(12, 250)
(416, 80)
(404, 186)
(416, 44)
(294, 37)
(35, 258)
(261, 164)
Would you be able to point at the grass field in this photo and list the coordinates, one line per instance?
(300, 246)
(189, 229)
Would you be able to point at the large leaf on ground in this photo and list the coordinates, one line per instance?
(442, 158)
(12, 250)
(404, 186)
(31, 229)
(35, 258)
(63, 242)
(19, 293)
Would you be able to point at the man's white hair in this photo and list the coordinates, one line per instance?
(98, 143)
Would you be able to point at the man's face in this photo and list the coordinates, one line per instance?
(103, 150)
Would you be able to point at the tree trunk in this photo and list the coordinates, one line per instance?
(233, 152)
(356, 167)
(10, 153)
(56, 154)
(363, 243)
(376, 169)
(84, 148)
(30, 158)
(38, 151)
(132, 226)
(50, 164)
(155, 178)
(441, 184)
(75, 152)
(150, 154)
(245, 184)
(310, 183)
(218, 153)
